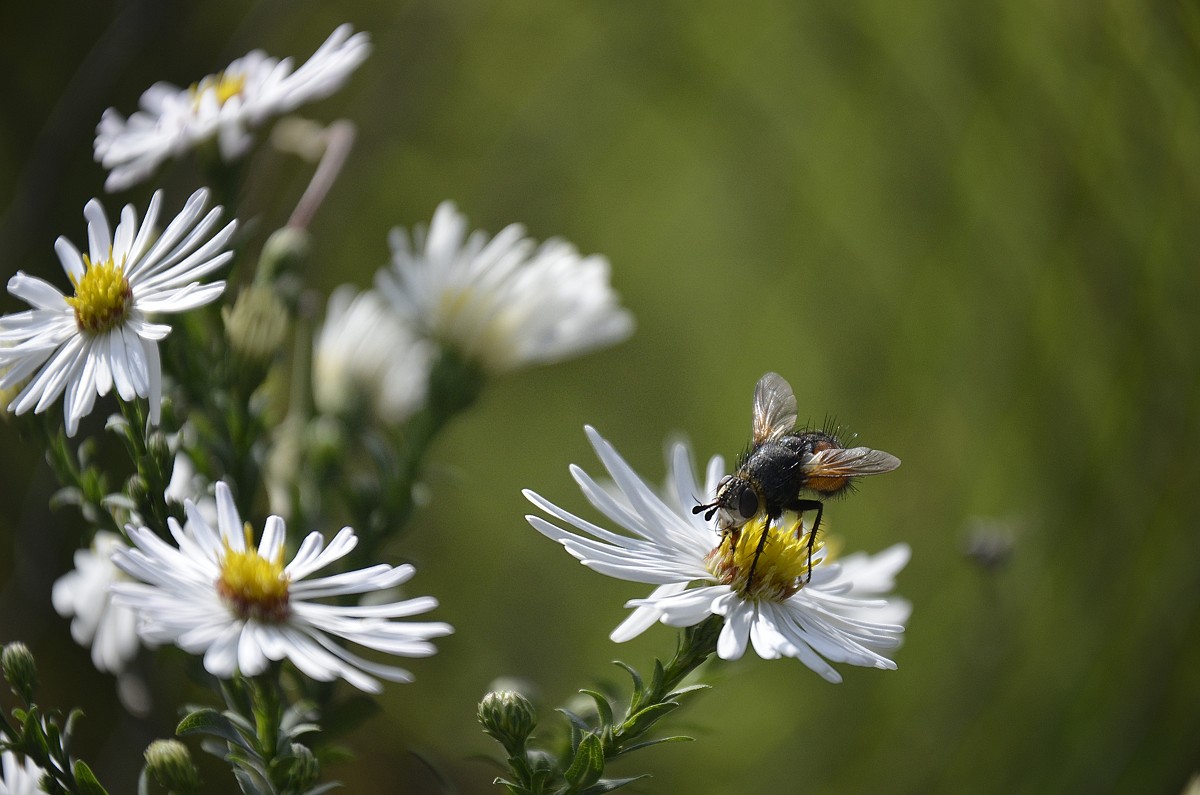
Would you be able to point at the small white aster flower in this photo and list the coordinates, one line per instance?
(19, 775)
(82, 595)
(364, 355)
(842, 614)
(217, 594)
(504, 302)
(102, 336)
(224, 106)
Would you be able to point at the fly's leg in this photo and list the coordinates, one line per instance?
(800, 506)
(762, 542)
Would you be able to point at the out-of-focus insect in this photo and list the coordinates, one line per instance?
(782, 464)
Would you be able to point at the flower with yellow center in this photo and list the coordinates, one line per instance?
(103, 337)
(224, 108)
(501, 302)
(224, 86)
(842, 614)
(217, 593)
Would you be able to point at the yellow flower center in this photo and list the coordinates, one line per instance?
(224, 86)
(782, 568)
(253, 586)
(102, 296)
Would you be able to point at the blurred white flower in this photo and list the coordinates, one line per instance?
(186, 483)
(841, 614)
(82, 595)
(19, 775)
(237, 604)
(364, 356)
(224, 106)
(102, 337)
(503, 302)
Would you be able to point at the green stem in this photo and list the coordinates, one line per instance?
(454, 386)
(268, 712)
(152, 462)
(696, 645)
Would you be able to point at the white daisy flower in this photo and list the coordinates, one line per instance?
(365, 356)
(19, 775)
(82, 595)
(102, 336)
(504, 302)
(217, 594)
(224, 106)
(841, 614)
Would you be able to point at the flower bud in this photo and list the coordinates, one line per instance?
(170, 765)
(283, 252)
(20, 669)
(508, 717)
(257, 324)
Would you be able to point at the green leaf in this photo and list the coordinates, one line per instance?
(679, 738)
(603, 708)
(32, 736)
(69, 728)
(645, 718)
(209, 721)
(321, 789)
(684, 691)
(576, 721)
(656, 681)
(251, 784)
(86, 780)
(539, 779)
(610, 784)
(515, 789)
(588, 764)
(639, 686)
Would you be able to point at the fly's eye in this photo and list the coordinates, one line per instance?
(748, 504)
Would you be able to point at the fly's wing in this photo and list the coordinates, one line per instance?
(838, 462)
(774, 408)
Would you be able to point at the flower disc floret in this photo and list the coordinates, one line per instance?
(252, 585)
(224, 86)
(102, 296)
(775, 573)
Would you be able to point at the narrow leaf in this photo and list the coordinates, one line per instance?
(679, 738)
(603, 708)
(610, 784)
(588, 764)
(576, 721)
(644, 719)
(684, 691)
(656, 681)
(85, 779)
(638, 686)
(209, 721)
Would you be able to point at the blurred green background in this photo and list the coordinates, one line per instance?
(969, 230)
